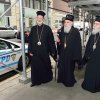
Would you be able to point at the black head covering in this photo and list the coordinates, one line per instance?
(69, 17)
(97, 18)
(40, 13)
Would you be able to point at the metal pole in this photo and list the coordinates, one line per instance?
(8, 9)
(46, 10)
(84, 38)
(24, 75)
(90, 28)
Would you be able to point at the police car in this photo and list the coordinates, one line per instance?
(11, 56)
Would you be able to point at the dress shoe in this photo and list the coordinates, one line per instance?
(32, 85)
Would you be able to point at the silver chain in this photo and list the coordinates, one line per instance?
(39, 36)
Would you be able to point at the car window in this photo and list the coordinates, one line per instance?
(3, 28)
(10, 28)
(3, 45)
(6, 45)
(14, 46)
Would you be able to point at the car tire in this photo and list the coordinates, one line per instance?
(20, 64)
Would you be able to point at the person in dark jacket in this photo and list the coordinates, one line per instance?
(92, 59)
(69, 50)
(41, 45)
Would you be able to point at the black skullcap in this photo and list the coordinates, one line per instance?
(97, 18)
(40, 13)
(69, 17)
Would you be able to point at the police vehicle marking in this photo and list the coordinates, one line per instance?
(8, 65)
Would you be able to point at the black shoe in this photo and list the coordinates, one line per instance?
(32, 85)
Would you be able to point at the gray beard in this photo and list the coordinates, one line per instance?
(95, 31)
(39, 23)
(67, 29)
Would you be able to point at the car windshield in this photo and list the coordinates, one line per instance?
(6, 28)
(3, 45)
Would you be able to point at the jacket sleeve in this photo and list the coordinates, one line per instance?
(59, 43)
(51, 44)
(87, 53)
(77, 47)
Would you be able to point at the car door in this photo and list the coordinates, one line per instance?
(9, 56)
(3, 32)
(10, 32)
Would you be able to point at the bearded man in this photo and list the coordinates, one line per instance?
(92, 59)
(69, 50)
(41, 45)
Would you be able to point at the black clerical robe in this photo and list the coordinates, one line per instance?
(41, 70)
(92, 58)
(69, 55)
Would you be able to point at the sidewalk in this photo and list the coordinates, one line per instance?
(11, 89)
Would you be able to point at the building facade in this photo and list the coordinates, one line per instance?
(30, 8)
(4, 5)
(57, 9)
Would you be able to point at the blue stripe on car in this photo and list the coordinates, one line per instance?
(8, 65)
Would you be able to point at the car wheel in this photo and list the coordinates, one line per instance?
(20, 64)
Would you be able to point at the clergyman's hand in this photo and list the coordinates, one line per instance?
(80, 67)
(31, 54)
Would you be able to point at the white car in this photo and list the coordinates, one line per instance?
(8, 32)
(11, 56)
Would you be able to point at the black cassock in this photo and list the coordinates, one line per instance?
(92, 58)
(41, 70)
(68, 56)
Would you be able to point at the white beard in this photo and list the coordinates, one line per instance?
(67, 29)
(95, 31)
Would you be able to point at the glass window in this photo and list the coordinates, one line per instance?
(14, 46)
(30, 22)
(33, 4)
(37, 4)
(3, 45)
(7, 0)
(6, 45)
(42, 5)
(27, 3)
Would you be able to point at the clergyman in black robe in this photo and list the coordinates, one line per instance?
(69, 50)
(92, 60)
(41, 45)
